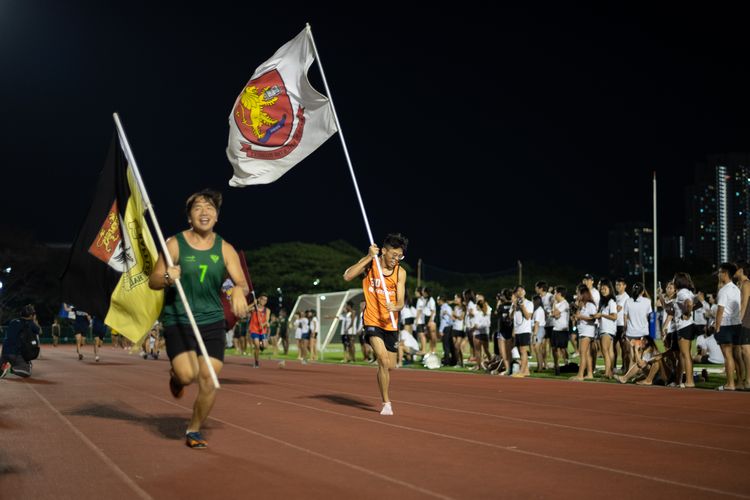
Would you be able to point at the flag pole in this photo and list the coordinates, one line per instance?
(655, 245)
(351, 169)
(160, 236)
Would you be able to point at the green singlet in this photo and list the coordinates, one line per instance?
(202, 274)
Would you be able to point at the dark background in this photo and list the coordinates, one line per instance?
(485, 136)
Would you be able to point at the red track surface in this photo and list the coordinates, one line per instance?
(80, 429)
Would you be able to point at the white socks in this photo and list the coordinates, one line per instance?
(387, 409)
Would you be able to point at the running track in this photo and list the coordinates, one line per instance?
(112, 430)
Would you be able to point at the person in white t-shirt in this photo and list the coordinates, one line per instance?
(408, 315)
(588, 280)
(407, 348)
(458, 332)
(429, 311)
(346, 319)
(522, 311)
(469, 324)
(585, 318)
(709, 351)
(419, 320)
(560, 327)
(684, 327)
(636, 313)
(621, 347)
(302, 334)
(314, 322)
(700, 318)
(728, 322)
(710, 313)
(482, 320)
(359, 330)
(607, 316)
(539, 321)
(548, 302)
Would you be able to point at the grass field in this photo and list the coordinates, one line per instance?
(335, 354)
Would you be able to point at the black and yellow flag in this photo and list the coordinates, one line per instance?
(114, 254)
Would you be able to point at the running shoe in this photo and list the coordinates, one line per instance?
(387, 409)
(80, 356)
(175, 387)
(195, 440)
(96, 359)
(4, 369)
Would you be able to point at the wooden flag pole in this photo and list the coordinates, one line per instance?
(351, 171)
(160, 236)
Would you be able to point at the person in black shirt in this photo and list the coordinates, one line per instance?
(11, 359)
(504, 333)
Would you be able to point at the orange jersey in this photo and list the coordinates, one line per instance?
(376, 314)
(258, 322)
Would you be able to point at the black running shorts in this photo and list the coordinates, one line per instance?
(390, 339)
(180, 338)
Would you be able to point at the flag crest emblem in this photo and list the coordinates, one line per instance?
(278, 118)
(263, 113)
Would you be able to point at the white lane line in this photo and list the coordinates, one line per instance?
(512, 449)
(471, 441)
(514, 419)
(369, 472)
(104, 458)
(538, 422)
(577, 409)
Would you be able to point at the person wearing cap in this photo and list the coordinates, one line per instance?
(11, 360)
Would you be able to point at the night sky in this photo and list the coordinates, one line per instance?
(483, 136)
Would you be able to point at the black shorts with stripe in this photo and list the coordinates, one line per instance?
(389, 338)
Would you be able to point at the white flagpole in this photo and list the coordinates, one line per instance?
(163, 243)
(351, 169)
(655, 245)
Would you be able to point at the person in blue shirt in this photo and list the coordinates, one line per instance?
(11, 360)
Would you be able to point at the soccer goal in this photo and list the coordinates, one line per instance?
(328, 307)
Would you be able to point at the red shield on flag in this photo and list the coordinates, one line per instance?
(263, 112)
(108, 237)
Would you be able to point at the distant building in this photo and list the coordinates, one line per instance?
(673, 246)
(718, 209)
(631, 250)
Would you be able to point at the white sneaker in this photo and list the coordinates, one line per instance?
(96, 359)
(387, 409)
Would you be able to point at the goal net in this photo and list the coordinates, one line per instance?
(328, 307)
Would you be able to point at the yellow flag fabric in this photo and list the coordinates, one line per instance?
(134, 307)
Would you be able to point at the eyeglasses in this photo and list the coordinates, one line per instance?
(398, 256)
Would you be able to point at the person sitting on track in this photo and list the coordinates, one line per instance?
(709, 351)
(653, 367)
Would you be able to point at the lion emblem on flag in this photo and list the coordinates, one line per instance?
(263, 112)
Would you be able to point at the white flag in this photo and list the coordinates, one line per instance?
(278, 118)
